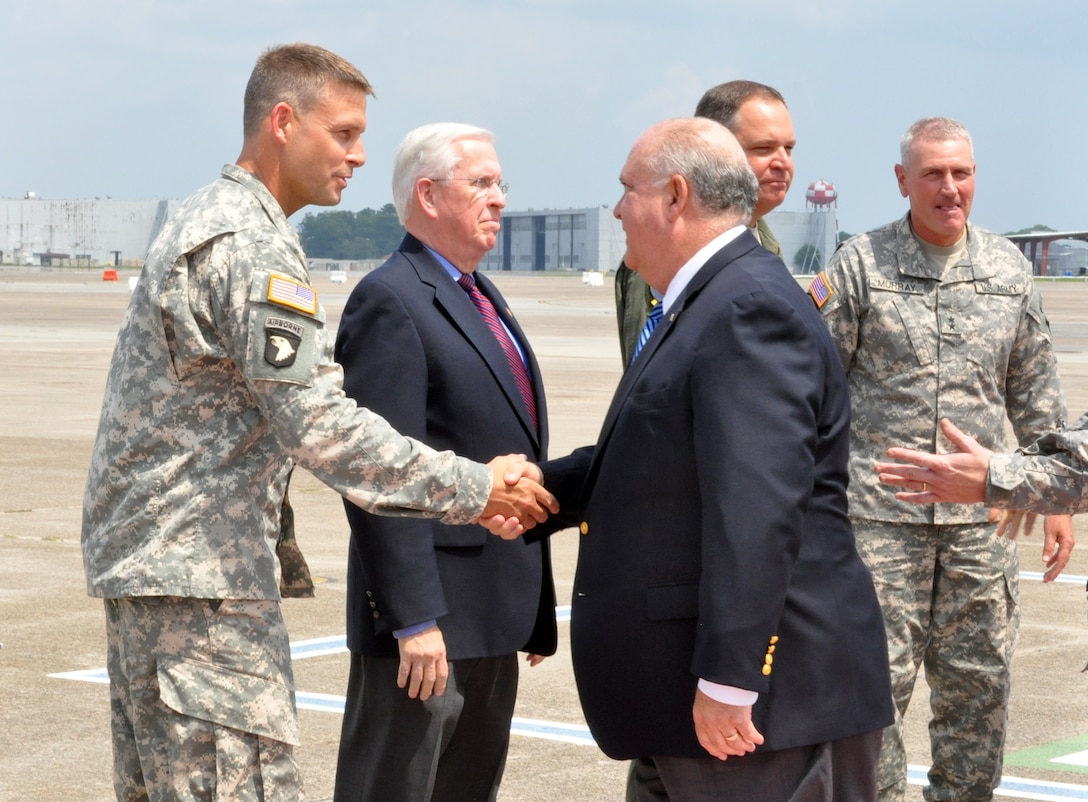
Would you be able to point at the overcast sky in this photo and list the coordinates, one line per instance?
(142, 99)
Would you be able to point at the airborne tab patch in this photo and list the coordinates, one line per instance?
(286, 291)
(281, 341)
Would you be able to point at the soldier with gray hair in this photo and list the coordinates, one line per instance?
(935, 317)
(222, 378)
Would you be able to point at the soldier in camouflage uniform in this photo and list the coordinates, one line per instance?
(937, 318)
(1050, 476)
(221, 379)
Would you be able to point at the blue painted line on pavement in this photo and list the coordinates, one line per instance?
(1017, 787)
(1069, 579)
(579, 734)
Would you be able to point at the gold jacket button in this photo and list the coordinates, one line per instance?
(766, 671)
(583, 527)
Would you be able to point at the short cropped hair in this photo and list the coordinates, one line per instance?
(722, 102)
(429, 152)
(297, 74)
(722, 181)
(934, 129)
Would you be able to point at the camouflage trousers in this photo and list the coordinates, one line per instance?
(950, 597)
(202, 700)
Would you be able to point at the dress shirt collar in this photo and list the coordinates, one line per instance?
(685, 274)
(455, 274)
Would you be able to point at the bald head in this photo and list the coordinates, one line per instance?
(710, 160)
(685, 181)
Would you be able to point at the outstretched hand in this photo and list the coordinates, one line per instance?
(518, 501)
(959, 477)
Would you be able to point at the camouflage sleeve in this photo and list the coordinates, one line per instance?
(278, 338)
(1033, 393)
(1049, 477)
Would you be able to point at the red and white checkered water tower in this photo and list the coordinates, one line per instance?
(821, 195)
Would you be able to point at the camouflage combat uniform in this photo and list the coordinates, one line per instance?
(971, 344)
(1050, 476)
(222, 378)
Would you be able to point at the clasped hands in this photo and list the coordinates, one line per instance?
(518, 501)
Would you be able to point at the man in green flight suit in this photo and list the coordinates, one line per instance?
(757, 116)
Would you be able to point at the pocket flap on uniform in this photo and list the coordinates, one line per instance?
(229, 698)
(665, 602)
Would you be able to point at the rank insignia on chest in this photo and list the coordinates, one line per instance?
(286, 291)
(281, 341)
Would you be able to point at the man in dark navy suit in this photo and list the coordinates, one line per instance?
(724, 627)
(436, 614)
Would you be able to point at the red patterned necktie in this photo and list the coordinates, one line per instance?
(491, 317)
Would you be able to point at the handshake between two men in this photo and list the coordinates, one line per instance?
(518, 499)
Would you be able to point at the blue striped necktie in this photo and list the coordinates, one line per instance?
(517, 364)
(652, 320)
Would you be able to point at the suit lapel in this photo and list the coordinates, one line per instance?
(466, 319)
(734, 250)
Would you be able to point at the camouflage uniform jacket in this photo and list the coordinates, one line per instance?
(1050, 476)
(222, 374)
(972, 345)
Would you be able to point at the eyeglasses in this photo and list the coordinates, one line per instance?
(482, 185)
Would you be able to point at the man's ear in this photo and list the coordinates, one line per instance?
(425, 196)
(282, 121)
(901, 179)
(677, 197)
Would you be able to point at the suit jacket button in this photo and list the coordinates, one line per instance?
(376, 615)
(766, 671)
(583, 527)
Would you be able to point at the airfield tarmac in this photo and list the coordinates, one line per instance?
(56, 335)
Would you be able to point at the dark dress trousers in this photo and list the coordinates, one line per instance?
(715, 540)
(415, 349)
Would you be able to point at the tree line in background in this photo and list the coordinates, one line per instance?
(367, 234)
(371, 234)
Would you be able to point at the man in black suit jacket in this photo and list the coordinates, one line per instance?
(416, 348)
(723, 624)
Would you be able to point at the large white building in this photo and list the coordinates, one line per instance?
(558, 239)
(34, 231)
(816, 229)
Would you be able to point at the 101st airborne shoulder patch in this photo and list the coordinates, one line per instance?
(281, 341)
(820, 289)
(289, 292)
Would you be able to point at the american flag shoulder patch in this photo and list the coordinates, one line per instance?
(286, 291)
(820, 290)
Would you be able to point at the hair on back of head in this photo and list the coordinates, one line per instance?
(297, 74)
(722, 102)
